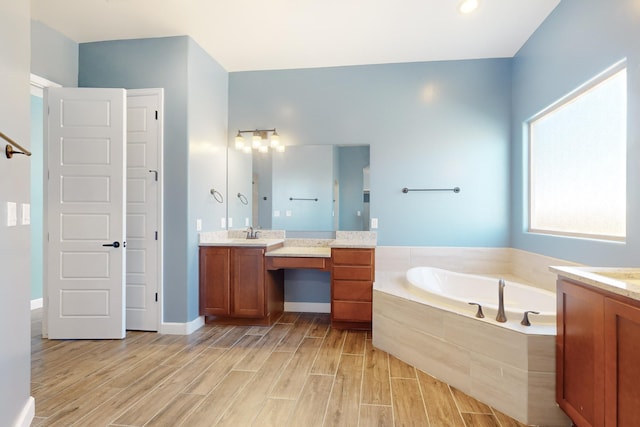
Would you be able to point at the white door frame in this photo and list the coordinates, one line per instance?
(159, 92)
(37, 86)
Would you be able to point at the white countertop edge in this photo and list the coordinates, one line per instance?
(301, 251)
(589, 276)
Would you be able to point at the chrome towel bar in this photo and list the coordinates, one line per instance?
(454, 189)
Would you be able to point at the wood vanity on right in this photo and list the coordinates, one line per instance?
(598, 345)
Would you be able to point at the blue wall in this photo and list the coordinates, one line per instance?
(208, 87)
(580, 39)
(435, 124)
(195, 107)
(53, 56)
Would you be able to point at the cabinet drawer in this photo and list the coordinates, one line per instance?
(275, 263)
(352, 256)
(352, 273)
(351, 311)
(352, 290)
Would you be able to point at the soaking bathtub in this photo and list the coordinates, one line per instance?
(422, 316)
(457, 290)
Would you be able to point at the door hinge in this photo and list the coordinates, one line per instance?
(156, 114)
(156, 235)
(156, 297)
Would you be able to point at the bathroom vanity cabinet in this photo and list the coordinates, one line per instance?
(597, 355)
(234, 284)
(352, 276)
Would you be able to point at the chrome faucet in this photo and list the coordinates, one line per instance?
(501, 317)
(252, 234)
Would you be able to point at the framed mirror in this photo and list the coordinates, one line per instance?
(305, 188)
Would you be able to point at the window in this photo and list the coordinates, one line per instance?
(577, 182)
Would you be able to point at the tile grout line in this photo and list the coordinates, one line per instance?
(424, 403)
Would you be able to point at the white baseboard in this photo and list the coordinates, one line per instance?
(308, 307)
(36, 303)
(170, 328)
(27, 413)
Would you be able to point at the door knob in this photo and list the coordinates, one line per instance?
(114, 244)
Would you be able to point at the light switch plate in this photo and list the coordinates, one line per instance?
(230, 221)
(374, 223)
(12, 214)
(26, 214)
(276, 213)
(223, 223)
(288, 213)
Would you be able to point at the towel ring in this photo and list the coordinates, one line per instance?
(217, 195)
(243, 199)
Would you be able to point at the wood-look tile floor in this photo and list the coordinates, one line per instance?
(298, 372)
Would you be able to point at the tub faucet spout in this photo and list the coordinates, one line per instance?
(501, 317)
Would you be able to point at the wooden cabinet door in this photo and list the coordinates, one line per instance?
(622, 364)
(214, 281)
(580, 354)
(248, 283)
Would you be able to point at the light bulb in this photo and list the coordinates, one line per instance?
(239, 141)
(275, 139)
(468, 6)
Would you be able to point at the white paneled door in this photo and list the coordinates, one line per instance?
(144, 208)
(86, 212)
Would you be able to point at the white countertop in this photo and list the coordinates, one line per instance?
(348, 243)
(257, 243)
(620, 281)
(295, 247)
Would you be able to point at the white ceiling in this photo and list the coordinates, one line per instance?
(281, 34)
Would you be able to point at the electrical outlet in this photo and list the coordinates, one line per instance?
(276, 213)
(374, 223)
(230, 221)
(223, 223)
(288, 213)
(246, 222)
(198, 224)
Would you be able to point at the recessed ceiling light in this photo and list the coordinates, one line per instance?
(468, 6)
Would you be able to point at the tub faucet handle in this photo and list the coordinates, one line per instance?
(479, 313)
(525, 319)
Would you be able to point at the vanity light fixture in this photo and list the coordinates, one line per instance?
(260, 140)
(275, 139)
(256, 139)
(468, 6)
(239, 141)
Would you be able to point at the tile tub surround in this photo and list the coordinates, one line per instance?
(510, 370)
